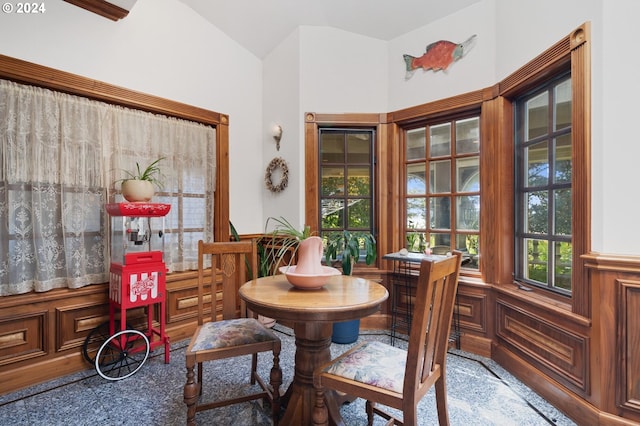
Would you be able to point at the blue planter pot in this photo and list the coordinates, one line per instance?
(346, 332)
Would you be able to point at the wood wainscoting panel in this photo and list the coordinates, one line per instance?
(472, 309)
(75, 321)
(550, 348)
(23, 337)
(628, 369)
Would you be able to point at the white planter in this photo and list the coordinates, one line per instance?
(137, 190)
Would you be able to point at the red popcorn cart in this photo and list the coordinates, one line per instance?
(137, 279)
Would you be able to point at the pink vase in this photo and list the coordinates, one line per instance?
(310, 256)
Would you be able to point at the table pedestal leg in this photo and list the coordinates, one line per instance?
(313, 342)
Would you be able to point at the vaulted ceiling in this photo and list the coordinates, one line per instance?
(260, 25)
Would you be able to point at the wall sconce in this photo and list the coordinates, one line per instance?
(276, 132)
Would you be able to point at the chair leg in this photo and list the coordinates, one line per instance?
(200, 377)
(369, 407)
(441, 401)
(275, 379)
(191, 394)
(254, 368)
(320, 415)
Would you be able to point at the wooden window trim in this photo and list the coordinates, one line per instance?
(29, 73)
(313, 122)
(572, 51)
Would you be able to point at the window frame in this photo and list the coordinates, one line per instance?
(345, 164)
(453, 157)
(549, 187)
(313, 123)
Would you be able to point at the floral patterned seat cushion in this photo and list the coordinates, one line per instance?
(373, 363)
(228, 333)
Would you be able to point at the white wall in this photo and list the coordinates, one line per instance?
(616, 201)
(165, 49)
(317, 69)
(281, 105)
(473, 71)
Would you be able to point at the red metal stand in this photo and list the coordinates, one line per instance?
(138, 279)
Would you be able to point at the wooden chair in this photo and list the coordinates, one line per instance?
(394, 377)
(229, 336)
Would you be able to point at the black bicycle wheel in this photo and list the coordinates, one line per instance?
(95, 338)
(122, 355)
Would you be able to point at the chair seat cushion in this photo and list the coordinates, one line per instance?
(228, 333)
(373, 363)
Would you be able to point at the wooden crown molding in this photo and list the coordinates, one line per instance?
(102, 8)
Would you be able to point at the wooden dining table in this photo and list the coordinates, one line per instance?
(312, 313)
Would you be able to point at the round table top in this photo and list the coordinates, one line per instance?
(343, 298)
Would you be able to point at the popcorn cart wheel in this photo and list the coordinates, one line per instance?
(116, 356)
(122, 355)
(96, 337)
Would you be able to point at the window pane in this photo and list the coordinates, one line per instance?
(537, 116)
(416, 213)
(332, 181)
(562, 270)
(439, 177)
(537, 157)
(332, 147)
(358, 181)
(416, 144)
(440, 243)
(563, 159)
(359, 213)
(537, 213)
(416, 241)
(468, 136)
(416, 179)
(468, 178)
(469, 245)
(192, 215)
(468, 213)
(440, 210)
(562, 115)
(332, 214)
(562, 210)
(440, 140)
(537, 258)
(358, 148)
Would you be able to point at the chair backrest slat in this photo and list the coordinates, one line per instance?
(431, 322)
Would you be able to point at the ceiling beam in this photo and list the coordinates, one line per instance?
(102, 8)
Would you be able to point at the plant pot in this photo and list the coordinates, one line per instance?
(134, 190)
(346, 332)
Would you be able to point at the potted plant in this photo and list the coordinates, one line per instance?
(280, 245)
(139, 185)
(346, 245)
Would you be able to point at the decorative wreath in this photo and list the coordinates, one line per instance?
(275, 164)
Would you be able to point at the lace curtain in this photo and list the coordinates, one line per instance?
(60, 155)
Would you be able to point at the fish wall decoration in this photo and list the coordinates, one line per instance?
(438, 56)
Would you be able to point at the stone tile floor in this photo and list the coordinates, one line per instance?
(480, 392)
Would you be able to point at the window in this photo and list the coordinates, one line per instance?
(56, 233)
(544, 186)
(346, 180)
(442, 188)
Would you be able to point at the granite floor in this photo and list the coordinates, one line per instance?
(480, 392)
